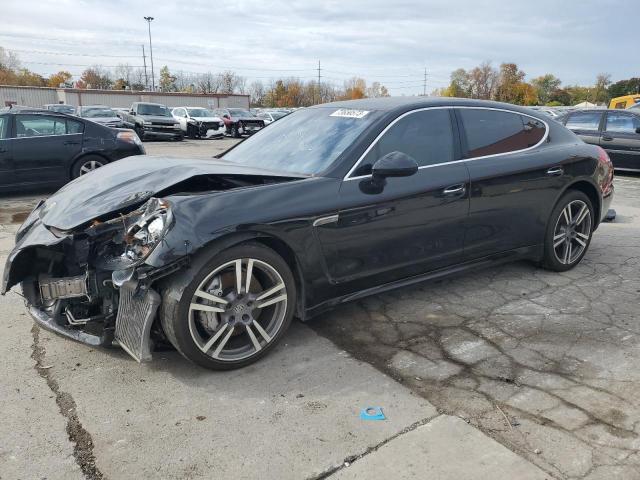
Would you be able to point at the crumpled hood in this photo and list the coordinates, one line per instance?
(129, 182)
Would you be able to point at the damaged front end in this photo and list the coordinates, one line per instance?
(91, 284)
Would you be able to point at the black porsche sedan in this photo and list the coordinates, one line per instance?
(42, 148)
(327, 205)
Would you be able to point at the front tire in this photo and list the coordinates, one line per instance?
(234, 308)
(569, 232)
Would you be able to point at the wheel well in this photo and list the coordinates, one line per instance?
(590, 191)
(285, 251)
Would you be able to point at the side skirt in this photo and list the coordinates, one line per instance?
(533, 252)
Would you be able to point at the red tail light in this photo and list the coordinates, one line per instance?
(606, 179)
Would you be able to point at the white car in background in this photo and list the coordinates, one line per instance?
(198, 122)
(270, 116)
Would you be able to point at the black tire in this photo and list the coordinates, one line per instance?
(178, 293)
(551, 260)
(88, 161)
(178, 138)
(236, 131)
(139, 131)
(191, 131)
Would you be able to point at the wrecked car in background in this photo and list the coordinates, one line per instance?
(197, 122)
(327, 205)
(239, 121)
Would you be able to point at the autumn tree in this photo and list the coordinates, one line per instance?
(354, 88)
(61, 78)
(377, 90)
(601, 94)
(509, 79)
(256, 93)
(94, 77)
(545, 86)
(167, 81)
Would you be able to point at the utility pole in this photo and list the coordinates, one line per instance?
(319, 93)
(144, 62)
(424, 87)
(153, 75)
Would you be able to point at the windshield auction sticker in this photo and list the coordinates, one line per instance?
(349, 113)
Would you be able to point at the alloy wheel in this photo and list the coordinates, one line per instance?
(572, 232)
(238, 309)
(90, 166)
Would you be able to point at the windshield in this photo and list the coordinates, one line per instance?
(238, 112)
(306, 141)
(97, 113)
(277, 115)
(200, 112)
(157, 110)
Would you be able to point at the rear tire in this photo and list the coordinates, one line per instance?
(87, 164)
(212, 324)
(569, 232)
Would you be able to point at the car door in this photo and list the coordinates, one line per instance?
(511, 183)
(621, 139)
(586, 124)
(44, 146)
(7, 174)
(411, 225)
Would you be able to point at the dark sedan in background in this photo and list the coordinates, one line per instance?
(100, 114)
(44, 148)
(327, 205)
(617, 131)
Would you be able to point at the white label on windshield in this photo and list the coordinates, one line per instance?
(349, 113)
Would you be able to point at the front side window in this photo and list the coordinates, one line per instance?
(621, 123)
(39, 126)
(494, 132)
(584, 121)
(426, 136)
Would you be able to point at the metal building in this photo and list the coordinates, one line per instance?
(39, 96)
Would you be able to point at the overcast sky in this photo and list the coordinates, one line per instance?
(390, 41)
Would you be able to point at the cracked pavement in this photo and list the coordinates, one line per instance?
(545, 363)
(487, 375)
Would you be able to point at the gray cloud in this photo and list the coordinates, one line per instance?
(391, 42)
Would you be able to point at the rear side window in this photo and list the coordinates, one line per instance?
(621, 123)
(74, 127)
(584, 121)
(492, 132)
(426, 136)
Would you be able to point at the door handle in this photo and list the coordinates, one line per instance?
(555, 171)
(453, 189)
(69, 142)
(607, 138)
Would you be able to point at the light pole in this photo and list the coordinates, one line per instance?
(153, 75)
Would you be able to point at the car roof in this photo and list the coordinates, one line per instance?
(600, 110)
(33, 110)
(403, 104)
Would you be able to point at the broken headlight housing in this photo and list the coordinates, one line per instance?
(145, 231)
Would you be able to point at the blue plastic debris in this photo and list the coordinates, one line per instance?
(372, 413)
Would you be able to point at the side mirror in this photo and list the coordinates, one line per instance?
(394, 164)
(132, 112)
(226, 116)
(638, 130)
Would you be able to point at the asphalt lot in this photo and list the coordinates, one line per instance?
(481, 376)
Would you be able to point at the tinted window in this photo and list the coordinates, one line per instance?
(74, 127)
(621, 123)
(425, 136)
(4, 126)
(584, 121)
(38, 126)
(491, 132)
